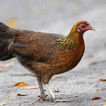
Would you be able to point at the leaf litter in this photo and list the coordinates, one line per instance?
(6, 65)
(32, 87)
(20, 84)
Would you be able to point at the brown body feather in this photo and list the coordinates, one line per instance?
(47, 58)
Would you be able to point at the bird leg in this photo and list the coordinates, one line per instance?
(43, 96)
(50, 91)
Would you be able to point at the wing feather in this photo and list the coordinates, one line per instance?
(38, 45)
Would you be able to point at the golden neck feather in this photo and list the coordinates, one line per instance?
(70, 42)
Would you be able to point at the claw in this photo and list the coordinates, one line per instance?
(43, 98)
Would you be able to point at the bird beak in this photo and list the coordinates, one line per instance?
(93, 29)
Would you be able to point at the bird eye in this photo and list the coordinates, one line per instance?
(83, 26)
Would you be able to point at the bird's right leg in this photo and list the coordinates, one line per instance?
(50, 91)
(43, 96)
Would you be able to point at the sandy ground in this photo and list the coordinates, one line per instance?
(77, 87)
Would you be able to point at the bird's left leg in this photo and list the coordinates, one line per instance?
(50, 91)
(43, 96)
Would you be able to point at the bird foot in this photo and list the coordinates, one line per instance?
(43, 98)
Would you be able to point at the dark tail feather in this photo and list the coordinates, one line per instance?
(6, 42)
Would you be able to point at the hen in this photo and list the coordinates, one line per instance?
(44, 54)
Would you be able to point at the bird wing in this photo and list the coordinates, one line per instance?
(38, 45)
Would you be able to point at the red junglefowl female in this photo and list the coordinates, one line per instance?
(44, 54)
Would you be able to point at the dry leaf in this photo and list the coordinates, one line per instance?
(22, 94)
(7, 97)
(102, 80)
(3, 103)
(70, 96)
(91, 82)
(39, 95)
(7, 65)
(98, 90)
(94, 62)
(96, 98)
(7, 91)
(12, 99)
(11, 23)
(1, 68)
(56, 89)
(20, 84)
(40, 101)
(90, 55)
(32, 87)
(101, 74)
(72, 87)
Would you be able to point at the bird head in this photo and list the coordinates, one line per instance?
(83, 26)
(74, 39)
